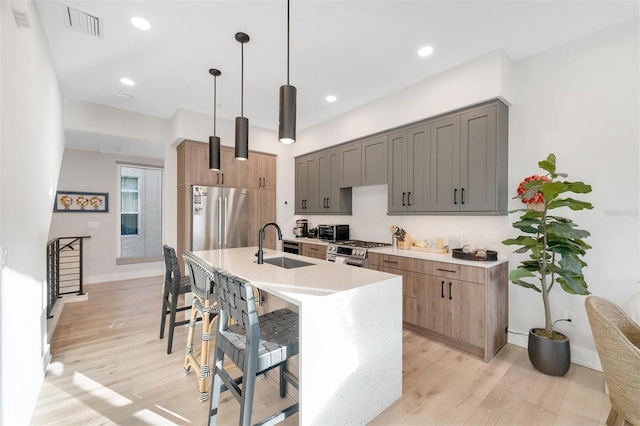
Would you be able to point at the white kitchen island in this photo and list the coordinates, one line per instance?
(350, 361)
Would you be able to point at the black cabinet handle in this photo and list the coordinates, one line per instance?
(455, 195)
(218, 178)
(462, 195)
(442, 290)
(408, 198)
(327, 202)
(259, 182)
(222, 179)
(403, 194)
(447, 270)
(264, 182)
(390, 261)
(450, 284)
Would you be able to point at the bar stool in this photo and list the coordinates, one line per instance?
(204, 304)
(255, 344)
(174, 286)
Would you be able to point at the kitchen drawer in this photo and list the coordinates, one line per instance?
(459, 272)
(391, 261)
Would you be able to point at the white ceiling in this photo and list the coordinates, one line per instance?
(357, 50)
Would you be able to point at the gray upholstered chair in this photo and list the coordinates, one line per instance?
(255, 344)
(204, 304)
(617, 340)
(174, 286)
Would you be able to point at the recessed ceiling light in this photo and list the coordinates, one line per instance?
(127, 82)
(124, 96)
(425, 51)
(331, 98)
(140, 23)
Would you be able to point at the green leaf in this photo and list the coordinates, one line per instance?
(520, 273)
(574, 285)
(549, 164)
(550, 190)
(566, 230)
(527, 285)
(579, 187)
(571, 264)
(571, 203)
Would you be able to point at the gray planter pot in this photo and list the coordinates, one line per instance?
(552, 357)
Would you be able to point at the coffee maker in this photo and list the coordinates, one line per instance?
(301, 229)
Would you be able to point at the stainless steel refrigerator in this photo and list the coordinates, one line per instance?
(220, 218)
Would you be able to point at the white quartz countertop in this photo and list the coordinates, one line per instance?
(308, 240)
(436, 257)
(295, 285)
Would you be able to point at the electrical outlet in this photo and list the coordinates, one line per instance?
(570, 315)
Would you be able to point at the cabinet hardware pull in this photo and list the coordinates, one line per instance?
(218, 179)
(389, 261)
(447, 270)
(442, 290)
(408, 198)
(222, 179)
(403, 194)
(327, 202)
(264, 182)
(462, 195)
(314, 248)
(455, 195)
(259, 182)
(450, 284)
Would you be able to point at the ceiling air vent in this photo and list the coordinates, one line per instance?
(82, 21)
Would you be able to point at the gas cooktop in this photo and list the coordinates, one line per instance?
(361, 244)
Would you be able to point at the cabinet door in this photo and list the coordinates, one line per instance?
(252, 171)
(478, 160)
(324, 166)
(419, 169)
(445, 164)
(230, 169)
(465, 313)
(301, 183)
(351, 165)
(397, 164)
(334, 200)
(312, 204)
(374, 161)
(269, 167)
(432, 306)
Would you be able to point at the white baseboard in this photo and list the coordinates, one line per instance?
(132, 275)
(580, 356)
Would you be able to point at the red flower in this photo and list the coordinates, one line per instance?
(536, 199)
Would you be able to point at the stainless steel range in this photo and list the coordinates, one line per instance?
(351, 252)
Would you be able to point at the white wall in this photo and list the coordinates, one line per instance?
(580, 101)
(95, 172)
(32, 141)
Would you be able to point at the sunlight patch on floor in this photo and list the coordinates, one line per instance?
(96, 389)
(184, 419)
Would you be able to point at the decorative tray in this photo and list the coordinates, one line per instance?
(459, 254)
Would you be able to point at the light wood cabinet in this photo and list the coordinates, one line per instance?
(317, 251)
(463, 306)
(193, 169)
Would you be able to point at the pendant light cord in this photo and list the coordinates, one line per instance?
(214, 105)
(241, 79)
(287, 42)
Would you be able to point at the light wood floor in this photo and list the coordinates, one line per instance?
(109, 367)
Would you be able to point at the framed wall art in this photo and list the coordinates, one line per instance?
(81, 202)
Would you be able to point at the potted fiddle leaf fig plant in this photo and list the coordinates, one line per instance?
(555, 246)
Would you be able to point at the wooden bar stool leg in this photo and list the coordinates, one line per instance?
(204, 352)
(189, 349)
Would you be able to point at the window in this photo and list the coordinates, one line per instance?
(129, 205)
(140, 218)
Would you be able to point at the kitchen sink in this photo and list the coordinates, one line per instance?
(287, 263)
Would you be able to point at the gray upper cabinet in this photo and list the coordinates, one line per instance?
(307, 184)
(469, 161)
(351, 165)
(445, 164)
(409, 163)
(374, 161)
(451, 164)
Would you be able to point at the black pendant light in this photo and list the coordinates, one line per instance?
(242, 123)
(214, 141)
(288, 93)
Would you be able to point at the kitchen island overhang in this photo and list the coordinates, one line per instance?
(350, 362)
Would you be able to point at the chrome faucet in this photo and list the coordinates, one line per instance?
(261, 236)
